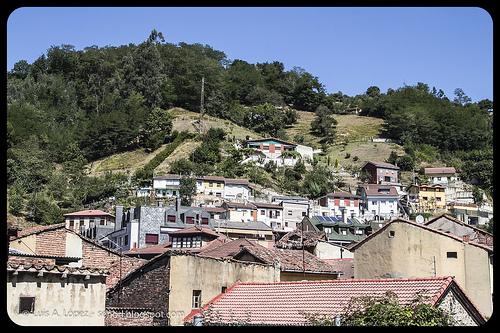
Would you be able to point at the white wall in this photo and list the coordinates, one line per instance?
(233, 190)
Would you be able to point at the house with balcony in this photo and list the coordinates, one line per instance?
(378, 202)
(278, 151)
(93, 223)
(294, 210)
(427, 198)
(236, 211)
(338, 204)
(166, 186)
(270, 214)
(383, 173)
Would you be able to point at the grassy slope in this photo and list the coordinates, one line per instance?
(130, 161)
(183, 151)
(356, 130)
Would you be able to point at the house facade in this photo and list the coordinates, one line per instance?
(427, 198)
(91, 223)
(339, 204)
(176, 283)
(145, 226)
(166, 186)
(48, 295)
(294, 210)
(404, 249)
(442, 176)
(378, 202)
(270, 214)
(341, 232)
(235, 211)
(381, 173)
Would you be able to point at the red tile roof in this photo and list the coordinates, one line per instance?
(342, 194)
(214, 209)
(225, 248)
(38, 229)
(235, 181)
(382, 165)
(195, 230)
(286, 303)
(373, 189)
(91, 212)
(267, 205)
(239, 205)
(438, 171)
(293, 239)
(155, 249)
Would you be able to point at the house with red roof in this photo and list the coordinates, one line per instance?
(378, 202)
(339, 204)
(441, 175)
(294, 303)
(405, 249)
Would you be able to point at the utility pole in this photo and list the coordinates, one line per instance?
(202, 102)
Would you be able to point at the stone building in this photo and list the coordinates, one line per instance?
(175, 283)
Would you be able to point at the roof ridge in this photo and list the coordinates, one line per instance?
(340, 281)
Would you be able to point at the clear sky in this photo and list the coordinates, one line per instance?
(349, 49)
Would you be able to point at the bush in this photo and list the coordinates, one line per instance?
(355, 158)
(347, 155)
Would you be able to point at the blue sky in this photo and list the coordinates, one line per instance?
(349, 49)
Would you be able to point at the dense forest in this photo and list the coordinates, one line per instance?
(70, 107)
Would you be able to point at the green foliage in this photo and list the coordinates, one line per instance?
(156, 129)
(182, 167)
(16, 201)
(42, 210)
(187, 190)
(318, 182)
(488, 227)
(387, 311)
(324, 124)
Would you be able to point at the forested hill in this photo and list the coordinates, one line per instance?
(71, 107)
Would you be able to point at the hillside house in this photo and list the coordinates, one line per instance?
(378, 202)
(404, 249)
(341, 232)
(339, 204)
(427, 198)
(166, 186)
(277, 151)
(270, 214)
(381, 173)
(471, 213)
(294, 210)
(256, 303)
(235, 211)
(442, 176)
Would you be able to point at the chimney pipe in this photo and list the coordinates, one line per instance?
(344, 215)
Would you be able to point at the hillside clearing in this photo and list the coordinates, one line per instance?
(183, 151)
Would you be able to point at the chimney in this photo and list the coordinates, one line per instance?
(344, 215)
(466, 238)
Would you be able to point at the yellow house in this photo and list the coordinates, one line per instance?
(428, 198)
(211, 185)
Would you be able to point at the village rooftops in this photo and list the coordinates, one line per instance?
(226, 248)
(294, 239)
(383, 165)
(239, 205)
(214, 209)
(380, 190)
(256, 303)
(38, 229)
(235, 181)
(345, 265)
(53, 269)
(92, 212)
(440, 171)
(260, 226)
(337, 221)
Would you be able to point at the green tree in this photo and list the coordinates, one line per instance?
(187, 190)
(324, 124)
(156, 129)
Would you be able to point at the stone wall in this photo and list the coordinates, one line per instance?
(128, 317)
(453, 306)
(148, 288)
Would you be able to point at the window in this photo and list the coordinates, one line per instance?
(289, 213)
(218, 194)
(223, 289)
(197, 241)
(439, 178)
(189, 219)
(204, 220)
(359, 231)
(171, 218)
(392, 233)
(91, 222)
(425, 198)
(196, 299)
(286, 224)
(438, 198)
(328, 230)
(374, 202)
(451, 255)
(211, 184)
(218, 184)
(126, 240)
(71, 223)
(151, 239)
(387, 178)
(343, 231)
(278, 213)
(262, 212)
(303, 214)
(176, 242)
(26, 304)
(174, 192)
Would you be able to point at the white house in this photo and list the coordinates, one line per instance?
(166, 186)
(278, 151)
(339, 203)
(270, 214)
(236, 189)
(294, 210)
(378, 202)
(442, 175)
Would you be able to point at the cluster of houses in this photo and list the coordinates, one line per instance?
(199, 275)
(233, 258)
